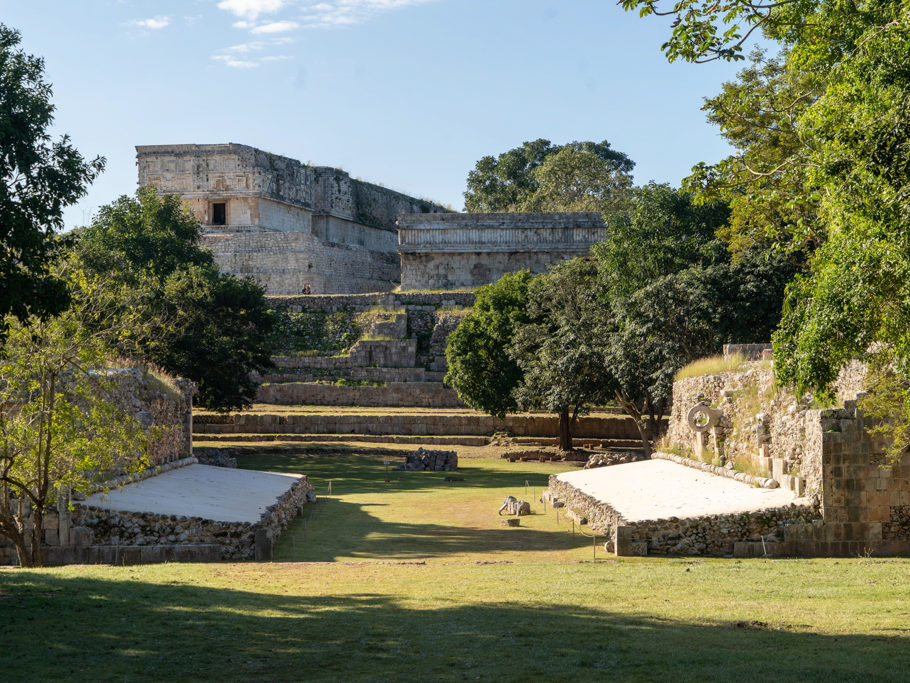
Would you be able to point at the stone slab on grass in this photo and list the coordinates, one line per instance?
(660, 489)
(215, 493)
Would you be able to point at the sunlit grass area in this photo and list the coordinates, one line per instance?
(416, 579)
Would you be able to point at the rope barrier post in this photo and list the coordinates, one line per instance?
(594, 546)
(330, 487)
(573, 527)
(557, 515)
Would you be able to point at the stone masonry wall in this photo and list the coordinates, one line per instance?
(99, 535)
(287, 262)
(286, 224)
(450, 251)
(712, 535)
(863, 501)
(424, 394)
(418, 425)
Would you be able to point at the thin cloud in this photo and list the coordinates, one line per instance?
(275, 27)
(251, 9)
(152, 23)
(333, 13)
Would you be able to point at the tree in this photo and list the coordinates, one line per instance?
(560, 349)
(765, 181)
(196, 322)
(38, 179)
(684, 316)
(574, 179)
(507, 182)
(59, 427)
(479, 368)
(664, 231)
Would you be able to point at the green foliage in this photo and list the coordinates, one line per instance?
(664, 231)
(765, 181)
(560, 350)
(857, 292)
(578, 179)
(192, 320)
(314, 332)
(38, 179)
(510, 181)
(480, 369)
(59, 428)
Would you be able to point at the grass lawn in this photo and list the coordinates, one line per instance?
(416, 579)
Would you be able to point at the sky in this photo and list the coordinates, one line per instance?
(408, 94)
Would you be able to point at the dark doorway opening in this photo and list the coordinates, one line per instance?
(219, 214)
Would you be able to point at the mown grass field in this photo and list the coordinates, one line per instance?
(417, 580)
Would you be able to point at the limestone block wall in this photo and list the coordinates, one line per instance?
(447, 251)
(475, 424)
(424, 394)
(346, 228)
(286, 262)
(863, 501)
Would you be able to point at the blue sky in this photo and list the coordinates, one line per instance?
(406, 93)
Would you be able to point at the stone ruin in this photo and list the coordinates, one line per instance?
(847, 500)
(423, 460)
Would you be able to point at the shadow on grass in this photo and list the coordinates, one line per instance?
(92, 629)
(335, 529)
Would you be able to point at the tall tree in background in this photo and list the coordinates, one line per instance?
(561, 349)
(197, 323)
(663, 232)
(38, 179)
(582, 173)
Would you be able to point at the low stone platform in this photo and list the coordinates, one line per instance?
(216, 493)
(661, 507)
(234, 514)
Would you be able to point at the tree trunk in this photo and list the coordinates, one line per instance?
(636, 414)
(565, 430)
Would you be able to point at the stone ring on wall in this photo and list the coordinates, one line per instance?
(702, 417)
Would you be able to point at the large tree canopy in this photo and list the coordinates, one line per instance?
(196, 322)
(540, 176)
(38, 179)
(664, 231)
(561, 349)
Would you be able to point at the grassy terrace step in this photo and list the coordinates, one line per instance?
(406, 421)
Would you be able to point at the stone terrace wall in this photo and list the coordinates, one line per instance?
(364, 302)
(448, 251)
(424, 394)
(286, 262)
(417, 425)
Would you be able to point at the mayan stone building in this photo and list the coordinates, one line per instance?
(453, 250)
(289, 225)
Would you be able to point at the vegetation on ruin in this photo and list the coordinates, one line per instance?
(39, 177)
(540, 176)
(428, 585)
(711, 365)
(820, 170)
(61, 430)
(314, 333)
(191, 320)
